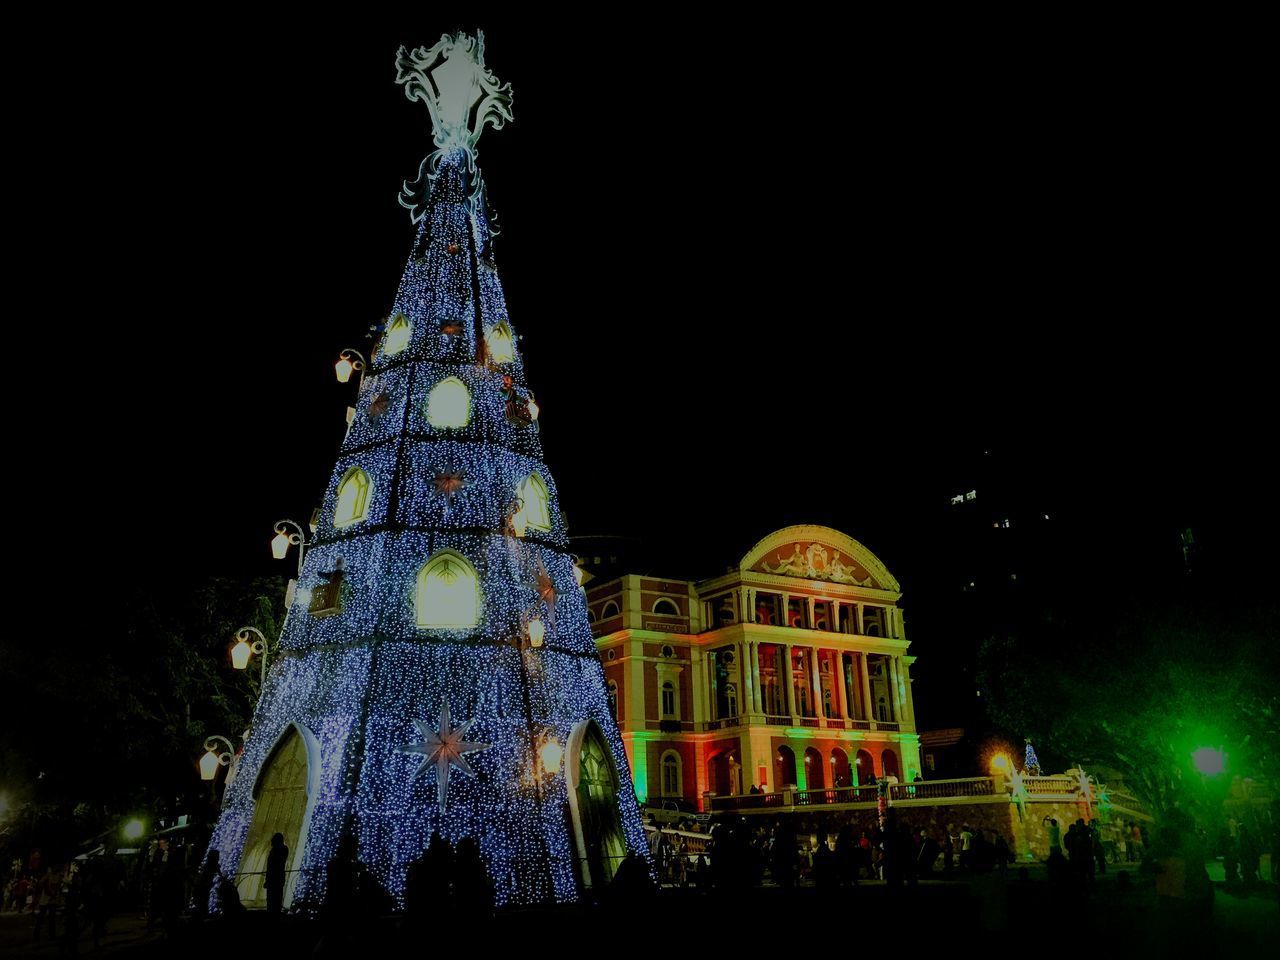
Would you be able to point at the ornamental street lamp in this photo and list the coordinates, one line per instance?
(349, 360)
(284, 539)
(245, 647)
(212, 759)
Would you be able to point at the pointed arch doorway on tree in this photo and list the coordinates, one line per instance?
(282, 801)
(593, 807)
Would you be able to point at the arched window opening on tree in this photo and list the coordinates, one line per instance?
(535, 510)
(449, 405)
(448, 593)
(353, 498)
(397, 336)
(671, 775)
(501, 348)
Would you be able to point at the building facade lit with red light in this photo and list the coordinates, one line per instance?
(789, 672)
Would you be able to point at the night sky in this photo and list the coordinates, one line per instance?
(764, 276)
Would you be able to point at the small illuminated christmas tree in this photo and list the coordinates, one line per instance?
(437, 669)
(1031, 763)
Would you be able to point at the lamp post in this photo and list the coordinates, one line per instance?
(244, 648)
(284, 539)
(348, 361)
(212, 759)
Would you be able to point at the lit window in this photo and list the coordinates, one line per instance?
(448, 593)
(534, 504)
(397, 336)
(353, 498)
(668, 699)
(449, 404)
(671, 774)
(501, 349)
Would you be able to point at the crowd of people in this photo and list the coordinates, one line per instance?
(836, 850)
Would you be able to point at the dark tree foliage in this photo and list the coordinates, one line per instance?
(1138, 690)
(102, 729)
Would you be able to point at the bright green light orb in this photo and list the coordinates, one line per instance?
(134, 829)
(1209, 761)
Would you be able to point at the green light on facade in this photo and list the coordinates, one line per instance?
(640, 769)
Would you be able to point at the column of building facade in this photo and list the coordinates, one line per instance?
(698, 680)
(747, 697)
(909, 703)
(755, 676)
(812, 622)
(895, 681)
(857, 619)
(789, 682)
(815, 684)
(635, 692)
(837, 681)
(869, 708)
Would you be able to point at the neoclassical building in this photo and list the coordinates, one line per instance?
(791, 671)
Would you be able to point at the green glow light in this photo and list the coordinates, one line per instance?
(1209, 761)
(640, 768)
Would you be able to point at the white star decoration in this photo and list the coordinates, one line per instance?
(445, 748)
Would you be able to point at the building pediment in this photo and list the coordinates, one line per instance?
(818, 553)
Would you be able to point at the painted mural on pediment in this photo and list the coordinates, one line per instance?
(816, 561)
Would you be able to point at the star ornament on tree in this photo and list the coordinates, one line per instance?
(444, 748)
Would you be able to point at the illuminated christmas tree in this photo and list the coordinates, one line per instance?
(437, 672)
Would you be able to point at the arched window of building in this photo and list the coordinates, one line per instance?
(397, 336)
(535, 510)
(786, 767)
(672, 781)
(666, 607)
(591, 615)
(815, 777)
(353, 498)
(498, 339)
(731, 700)
(613, 699)
(449, 404)
(889, 764)
(863, 768)
(448, 593)
(840, 773)
(610, 610)
(668, 700)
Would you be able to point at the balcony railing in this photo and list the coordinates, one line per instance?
(943, 789)
(863, 794)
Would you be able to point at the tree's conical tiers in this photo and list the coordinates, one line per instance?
(352, 683)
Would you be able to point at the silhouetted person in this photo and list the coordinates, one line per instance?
(340, 878)
(632, 881)
(209, 875)
(826, 877)
(427, 885)
(276, 861)
(472, 889)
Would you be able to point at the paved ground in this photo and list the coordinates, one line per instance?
(1115, 917)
